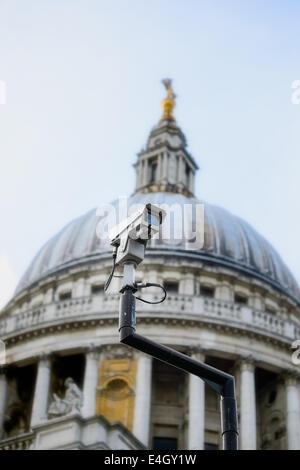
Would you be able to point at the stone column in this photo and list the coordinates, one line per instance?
(3, 396)
(191, 181)
(160, 167)
(256, 301)
(48, 297)
(224, 291)
(142, 405)
(145, 172)
(142, 165)
(292, 411)
(137, 174)
(150, 275)
(41, 392)
(196, 426)
(181, 172)
(247, 404)
(141, 168)
(187, 284)
(92, 359)
(79, 287)
(165, 168)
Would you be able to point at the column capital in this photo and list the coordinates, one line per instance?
(188, 274)
(290, 377)
(117, 351)
(139, 354)
(93, 351)
(44, 357)
(247, 362)
(196, 351)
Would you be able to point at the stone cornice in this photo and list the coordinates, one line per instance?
(82, 324)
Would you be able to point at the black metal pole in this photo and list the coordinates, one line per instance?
(229, 423)
(222, 382)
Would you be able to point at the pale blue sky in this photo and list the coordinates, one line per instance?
(83, 91)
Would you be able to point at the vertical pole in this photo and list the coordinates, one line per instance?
(229, 423)
(219, 380)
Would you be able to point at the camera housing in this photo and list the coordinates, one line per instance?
(132, 234)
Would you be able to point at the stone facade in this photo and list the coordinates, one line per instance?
(129, 388)
(223, 310)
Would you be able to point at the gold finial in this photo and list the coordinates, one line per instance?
(168, 104)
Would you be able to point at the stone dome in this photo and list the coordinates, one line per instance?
(232, 303)
(228, 241)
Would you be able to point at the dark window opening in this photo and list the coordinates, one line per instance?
(65, 295)
(207, 291)
(97, 289)
(153, 172)
(164, 443)
(187, 173)
(240, 299)
(21, 383)
(263, 378)
(270, 310)
(171, 287)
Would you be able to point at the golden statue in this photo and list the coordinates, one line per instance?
(168, 104)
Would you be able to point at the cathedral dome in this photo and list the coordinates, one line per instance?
(228, 241)
(232, 303)
(165, 174)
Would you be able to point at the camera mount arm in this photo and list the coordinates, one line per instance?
(129, 240)
(220, 381)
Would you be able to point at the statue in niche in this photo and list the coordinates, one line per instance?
(69, 404)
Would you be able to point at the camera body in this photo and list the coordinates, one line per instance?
(132, 234)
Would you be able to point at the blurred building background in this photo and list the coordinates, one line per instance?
(234, 304)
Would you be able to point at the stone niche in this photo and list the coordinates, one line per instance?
(270, 406)
(116, 390)
(63, 368)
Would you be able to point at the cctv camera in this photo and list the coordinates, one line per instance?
(131, 235)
